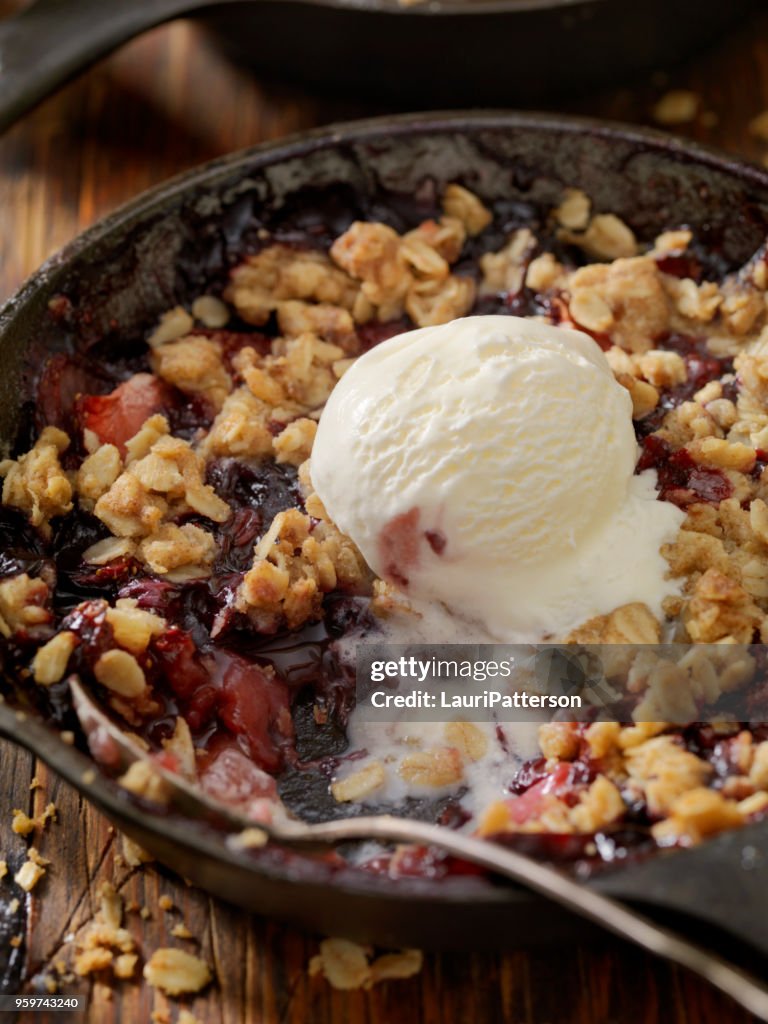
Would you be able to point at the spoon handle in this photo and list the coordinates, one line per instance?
(52, 40)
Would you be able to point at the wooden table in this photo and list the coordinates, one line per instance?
(162, 104)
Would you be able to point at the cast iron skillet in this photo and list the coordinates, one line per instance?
(165, 247)
(457, 52)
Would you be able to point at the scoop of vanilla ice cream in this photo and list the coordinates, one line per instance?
(488, 464)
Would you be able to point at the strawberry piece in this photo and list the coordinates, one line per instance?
(116, 417)
(255, 706)
(530, 803)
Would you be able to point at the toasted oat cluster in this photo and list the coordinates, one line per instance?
(162, 535)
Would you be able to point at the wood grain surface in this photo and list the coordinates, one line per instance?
(164, 103)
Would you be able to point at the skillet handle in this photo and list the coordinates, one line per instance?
(51, 40)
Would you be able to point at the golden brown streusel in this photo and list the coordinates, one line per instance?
(164, 478)
(633, 295)
(194, 365)
(295, 564)
(464, 206)
(606, 237)
(294, 443)
(241, 429)
(296, 377)
(505, 270)
(97, 473)
(281, 273)
(36, 482)
(408, 274)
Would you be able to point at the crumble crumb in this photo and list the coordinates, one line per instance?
(678, 106)
(135, 856)
(278, 273)
(103, 944)
(163, 479)
(625, 298)
(124, 965)
(465, 206)
(29, 874)
(174, 323)
(344, 964)
(439, 767)
(36, 482)
(143, 780)
(249, 839)
(210, 311)
(295, 564)
(176, 972)
(22, 824)
(294, 443)
(121, 673)
(347, 965)
(359, 784)
(194, 365)
(187, 1017)
(23, 604)
(505, 270)
(574, 210)
(49, 664)
(758, 126)
(606, 237)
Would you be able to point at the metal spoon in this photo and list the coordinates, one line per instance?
(547, 881)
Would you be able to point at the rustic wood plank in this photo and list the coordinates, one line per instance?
(165, 103)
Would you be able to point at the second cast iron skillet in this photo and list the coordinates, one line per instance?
(170, 244)
(458, 52)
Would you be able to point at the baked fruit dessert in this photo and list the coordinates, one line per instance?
(166, 539)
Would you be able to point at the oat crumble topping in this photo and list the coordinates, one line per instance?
(206, 529)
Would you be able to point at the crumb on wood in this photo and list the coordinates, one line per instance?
(678, 106)
(187, 1017)
(134, 854)
(23, 824)
(176, 972)
(758, 126)
(29, 874)
(347, 965)
(103, 944)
